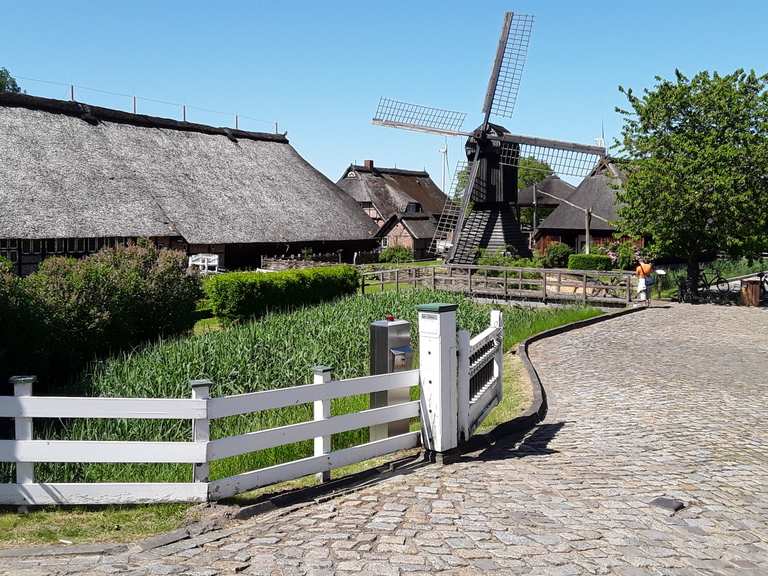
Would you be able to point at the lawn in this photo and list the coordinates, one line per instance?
(275, 351)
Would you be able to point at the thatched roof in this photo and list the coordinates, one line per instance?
(596, 192)
(70, 170)
(551, 184)
(390, 190)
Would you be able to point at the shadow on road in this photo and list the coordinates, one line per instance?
(536, 443)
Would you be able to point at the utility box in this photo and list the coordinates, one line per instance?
(390, 351)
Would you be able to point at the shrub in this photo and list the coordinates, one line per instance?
(589, 262)
(239, 295)
(395, 254)
(556, 255)
(72, 310)
(501, 258)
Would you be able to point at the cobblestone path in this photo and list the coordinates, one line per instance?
(666, 402)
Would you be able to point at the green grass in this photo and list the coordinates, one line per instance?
(89, 524)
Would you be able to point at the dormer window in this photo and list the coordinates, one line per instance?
(413, 207)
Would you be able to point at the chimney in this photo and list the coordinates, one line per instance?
(368, 164)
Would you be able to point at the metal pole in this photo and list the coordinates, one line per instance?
(184, 112)
(72, 92)
(134, 104)
(276, 130)
(587, 221)
(237, 122)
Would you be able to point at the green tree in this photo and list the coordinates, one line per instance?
(696, 155)
(529, 171)
(8, 82)
(532, 171)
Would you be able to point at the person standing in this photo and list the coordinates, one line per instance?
(644, 281)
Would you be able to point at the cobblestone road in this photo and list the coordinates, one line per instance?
(666, 402)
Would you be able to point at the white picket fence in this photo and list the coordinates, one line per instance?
(454, 398)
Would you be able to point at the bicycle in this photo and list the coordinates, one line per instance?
(721, 294)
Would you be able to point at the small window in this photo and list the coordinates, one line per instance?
(91, 244)
(38, 246)
(351, 174)
(3, 244)
(50, 246)
(70, 245)
(26, 246)
(384, 242)
(413, 207)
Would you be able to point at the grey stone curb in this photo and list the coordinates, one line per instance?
(76, 550)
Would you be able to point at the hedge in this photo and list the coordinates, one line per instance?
(241, 295)
(70, 311)
(589, 262)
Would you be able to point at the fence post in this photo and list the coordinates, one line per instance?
(544, 286)
(497, 321)
(505, 283)
(397, 280)
(322, 411)
(437, 367)
(25, 471)
(469, 281)
(434, 268)
(584, 296)
(201, 428)
(629, 288)
(463, 385)
(362, 284)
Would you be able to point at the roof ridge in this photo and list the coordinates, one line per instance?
(94, 114)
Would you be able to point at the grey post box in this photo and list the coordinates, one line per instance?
(390, 351)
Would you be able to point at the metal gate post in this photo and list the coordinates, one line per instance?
(438, 369)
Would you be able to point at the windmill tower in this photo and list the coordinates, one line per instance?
(482, 210)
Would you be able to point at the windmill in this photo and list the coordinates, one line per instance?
(483, 212)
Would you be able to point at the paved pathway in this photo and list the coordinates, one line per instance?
(666, 402)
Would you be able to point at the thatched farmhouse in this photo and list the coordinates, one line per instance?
(405, 204)
(75, 178)
(566, 223)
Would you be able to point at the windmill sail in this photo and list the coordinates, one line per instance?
(443, 238)
(397, 114)
(507, 72)
(563, 158)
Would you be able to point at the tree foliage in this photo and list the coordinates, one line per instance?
(697, 166)
(530, 170)
(7, 82)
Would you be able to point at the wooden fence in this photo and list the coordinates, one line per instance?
(437, 378)
(534, 284)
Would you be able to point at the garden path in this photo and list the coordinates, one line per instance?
(666, 402)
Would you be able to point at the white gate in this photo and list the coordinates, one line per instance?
(480, 374)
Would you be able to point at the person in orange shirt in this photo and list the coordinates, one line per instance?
(644, 281)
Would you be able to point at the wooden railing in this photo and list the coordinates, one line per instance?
(537, 284)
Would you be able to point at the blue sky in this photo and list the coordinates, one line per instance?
(319, 68)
